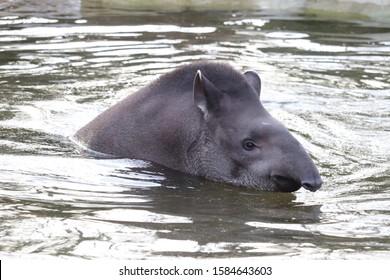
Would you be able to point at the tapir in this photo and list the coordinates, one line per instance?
(205, 119)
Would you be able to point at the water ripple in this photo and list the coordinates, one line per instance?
(331, 89)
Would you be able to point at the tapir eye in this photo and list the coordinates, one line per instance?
(248, 145)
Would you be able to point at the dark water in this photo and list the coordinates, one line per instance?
(60, 65)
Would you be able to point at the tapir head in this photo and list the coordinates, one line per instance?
(244, 145)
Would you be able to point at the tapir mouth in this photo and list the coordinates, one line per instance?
(286, 184)
(290, 184)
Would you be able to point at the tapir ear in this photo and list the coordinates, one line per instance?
(206, 96)
(254, 80)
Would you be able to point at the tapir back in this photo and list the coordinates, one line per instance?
(143, 126)
(147, 123)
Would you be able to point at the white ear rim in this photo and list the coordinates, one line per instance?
(198, 91)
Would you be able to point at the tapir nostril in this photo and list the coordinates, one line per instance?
(312, 185)
(286, 184)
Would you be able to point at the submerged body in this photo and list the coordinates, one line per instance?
(205, 119)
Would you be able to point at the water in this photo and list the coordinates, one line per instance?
(327, 80)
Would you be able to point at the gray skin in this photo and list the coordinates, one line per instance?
(205, 119)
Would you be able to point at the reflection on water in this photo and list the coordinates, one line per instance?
(326, 80)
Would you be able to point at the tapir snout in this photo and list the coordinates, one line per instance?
(311, 181)
(294, 168)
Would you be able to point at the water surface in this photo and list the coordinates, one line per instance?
(327, 80)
